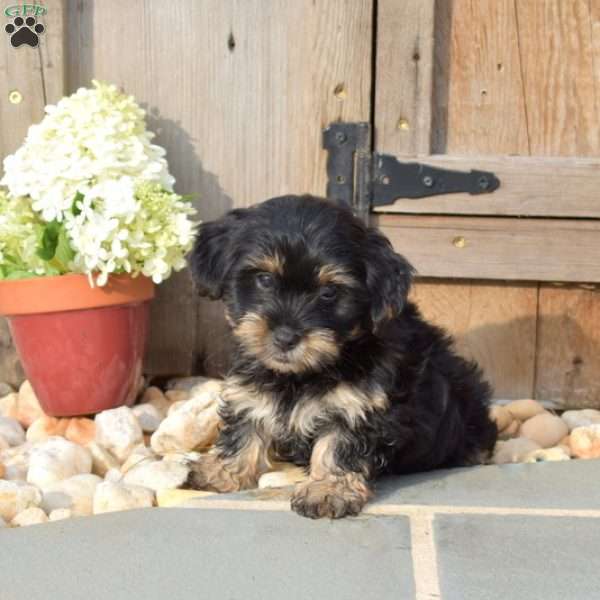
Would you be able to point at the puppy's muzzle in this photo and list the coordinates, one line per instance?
(285, 338)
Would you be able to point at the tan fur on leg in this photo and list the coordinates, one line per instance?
(329, 492)
(230, 474)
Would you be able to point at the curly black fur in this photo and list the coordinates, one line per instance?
(435, 411)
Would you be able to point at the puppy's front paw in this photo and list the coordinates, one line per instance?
(333, 497)
(209, 473)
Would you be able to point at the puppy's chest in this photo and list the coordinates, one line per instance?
(286, 415)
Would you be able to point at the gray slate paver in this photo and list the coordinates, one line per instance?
(561, 485)
(176, 554)
(555, 485)
(517, 557)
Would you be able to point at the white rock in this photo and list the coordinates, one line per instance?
(3, 443)
(9, 405)
(11, 431)
(30, 516)
(193, 425)
(148, 416)
(2, 523)
(139, 454)
(21, 450)
(158, 475)
(156, 398)
(56, 459)
(287, 476)
(113, 475)
(102, 459)
(547, 454)
(75, 493)
(581, 418)
(525, 409)
(585, 441)
(16, 496)
(112, 496)
(118, 431)
(28, 406)
(545, 429)
(513, 451)
(59, 514)
(15, 468)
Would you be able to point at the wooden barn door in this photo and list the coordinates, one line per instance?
(238, 92)
(513, 87)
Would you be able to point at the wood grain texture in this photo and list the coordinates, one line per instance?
(38, 75)
(404, 76)
(530, 186)
(238, 93)
(560, 44)
(485, 320)
(568, 349)
(485, 104)
(488, 248)
(559, 80)
(478, 108)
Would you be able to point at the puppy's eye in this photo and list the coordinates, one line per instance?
(328, 293)
(265, 281)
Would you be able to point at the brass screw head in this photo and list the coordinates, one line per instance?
(15, 97)
(459, 241)
(403, 124)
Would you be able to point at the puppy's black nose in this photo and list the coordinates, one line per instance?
(286, 338)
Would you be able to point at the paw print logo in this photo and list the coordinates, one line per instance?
(24, 31)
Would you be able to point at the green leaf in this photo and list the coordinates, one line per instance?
(74, 208)
(55, 248)
(47, 248)
(64, 253)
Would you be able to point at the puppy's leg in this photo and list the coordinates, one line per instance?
(236, 464)
(331, 491)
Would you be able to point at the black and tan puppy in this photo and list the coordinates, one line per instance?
(334, 369)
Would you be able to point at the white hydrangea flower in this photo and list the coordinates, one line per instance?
(90, 165)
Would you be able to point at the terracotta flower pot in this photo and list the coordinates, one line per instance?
(81, 347)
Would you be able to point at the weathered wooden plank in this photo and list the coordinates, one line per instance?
(404, 76)
(485, 108)
(530, 186)
(238, 93)
(568, 349)
(489, 248)
(476, 90)
(29, 79)
(558, 77)
(486, 320)
(561, 66)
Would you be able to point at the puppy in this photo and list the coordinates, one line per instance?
(334, 369)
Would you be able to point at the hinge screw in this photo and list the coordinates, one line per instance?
(340, 137)
(484, 183)
(428, 181)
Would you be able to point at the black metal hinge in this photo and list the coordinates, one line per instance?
(360, 180)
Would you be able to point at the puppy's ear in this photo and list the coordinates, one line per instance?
(389, 277)
(213, 255)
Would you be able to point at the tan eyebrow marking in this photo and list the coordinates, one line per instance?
(335, 274)
(269, 263)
